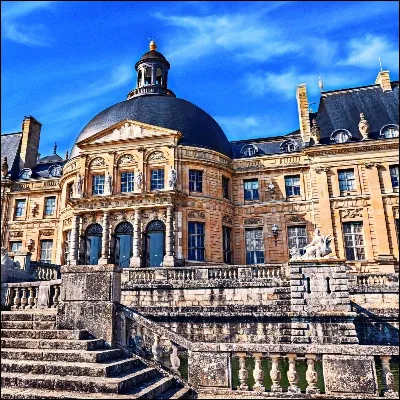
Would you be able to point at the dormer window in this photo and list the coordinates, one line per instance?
(340, 136)
(55, 170)
(26, 173)
(249, 150)
(288, 146)
(390, 131)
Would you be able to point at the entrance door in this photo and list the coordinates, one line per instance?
(94, 248)
(155, 243)
(125, 248)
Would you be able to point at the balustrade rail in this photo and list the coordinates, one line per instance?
(154, 341)
(45, 272)
(370, 282)
(31, 295)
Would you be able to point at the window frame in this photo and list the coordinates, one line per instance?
(251, 148)
(344, 180)
(53, 207)
(394, 178)
(128, 182)
(352, 235)
(157, 180)
(67, 245)
(253, 252)
(98, 185)
(12, 242)
(225, 188)
(335, 135)
(227, 244)
(196, 180)
(198, 239)
(292, 188)
(300, 240)
(46, 251)
(255, 192)
(386, 128)
(19, 208)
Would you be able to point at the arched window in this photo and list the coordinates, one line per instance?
(93, 236)
(123, 244)
(26, 173)
(139, 79)
(249, 150)
(158, 76)
(340, 136)
(147, 76)
(288, 146)
(55, 170)
(390, 131)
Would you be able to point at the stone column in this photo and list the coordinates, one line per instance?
(73, 253)
(135, 259)
(169, 237)
(105, 239)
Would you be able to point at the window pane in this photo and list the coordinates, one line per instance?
(16, 246)
(394, 175)
(196, 247)
(127, 182)
(254, 246)
(46, 247)
(157, 179)
(354, 240)
(98, 184)
(292, 185)
(195, 181)
(50, 205)
(250, 189)
(20, 208)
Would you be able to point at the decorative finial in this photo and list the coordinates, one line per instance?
(66, 155)
(4, 167)
(320, 84)
(153, 45)
(55, 148)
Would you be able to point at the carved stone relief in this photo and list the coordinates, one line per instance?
(253, 221)
(227, 219)
(16, 234)
(196, 214)
(352, 213)
(156, 156)
(98, 162)
(126, 159)
(46, 233)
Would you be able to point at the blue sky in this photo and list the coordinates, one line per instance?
(64, 62)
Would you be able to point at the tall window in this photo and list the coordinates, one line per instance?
(196, 243)
(20, 207)
(254, 246)
(46, 246)
(394, 175)
(127, 182)
(50, 206)
(297, 237)
(354, 241)
(292, 185)
(157, 179)
(67, 245)
(98, 184)
(225, 187)
(346, 180)
(227, 244)
(195, 180)
(70, 190)
(15, 246)
(251, 189)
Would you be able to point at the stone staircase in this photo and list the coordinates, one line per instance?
(39, 361)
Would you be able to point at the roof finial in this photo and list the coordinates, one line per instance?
(153, 45)
(321, 84)
(380, 62)
(55, 148)
(66, 155)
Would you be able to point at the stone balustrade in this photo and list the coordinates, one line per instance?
(373, 282)
(30, 295)
(44, 271)
(348, 370)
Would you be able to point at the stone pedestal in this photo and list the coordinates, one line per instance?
(89, 296)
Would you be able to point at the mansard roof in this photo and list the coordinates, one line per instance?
(10, 148)
(340, 109)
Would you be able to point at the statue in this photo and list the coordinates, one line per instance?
(108, 184)
(315, 131)
(6, 261)
(4, 168)
(295, 253)
(139, 180)
(363, 127)
(172, 177)
(79, 185)
(318, 248)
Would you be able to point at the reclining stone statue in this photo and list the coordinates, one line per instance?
(319, 247)
(6, 261)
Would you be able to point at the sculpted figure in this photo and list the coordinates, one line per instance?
(172, 177)
(108, 184)
(363, 126)
(318, 248)
(6, 261)
(139, 180)
(79, 184)
(315, 131)
(295, 253)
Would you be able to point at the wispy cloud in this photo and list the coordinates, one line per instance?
(16, 29)
(364, 52)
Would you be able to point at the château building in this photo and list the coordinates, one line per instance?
(153, 181)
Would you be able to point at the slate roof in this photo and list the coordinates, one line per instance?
(152, 55)
(340, 109)
(266, 146)
(42, 169)
(10, 148)
(199, 129)
(53, 159)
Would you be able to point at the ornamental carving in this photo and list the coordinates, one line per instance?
(227, 219)
(370, 165)
(253, 221)
(98, 162)
(248, 166)
(196, 214)
(46, 233)
(156, 156)
(318, 170)
(16, 234)
(396, 212)
(352, 213)
(296, 218)
(126, 159)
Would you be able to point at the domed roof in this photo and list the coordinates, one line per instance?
(198, 128)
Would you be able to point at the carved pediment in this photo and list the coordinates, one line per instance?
(127, 130)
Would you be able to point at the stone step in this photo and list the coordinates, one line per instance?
(177, 392)
(61, 355)
(23, 325)
(111, 368)
(44, 334)
(151, 389)
(87, 384)
(31, 315)
(89, 344)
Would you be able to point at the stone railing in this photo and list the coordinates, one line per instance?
(373, 282)
(348, 370)
(44, 271)
(30, 295)
(205, 273)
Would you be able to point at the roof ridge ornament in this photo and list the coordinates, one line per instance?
(321, 84)
(152, 45)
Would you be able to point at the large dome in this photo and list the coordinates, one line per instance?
(198, 128)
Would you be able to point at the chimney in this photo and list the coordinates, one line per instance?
(383, 79)
(30, 142)
(304, 113)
